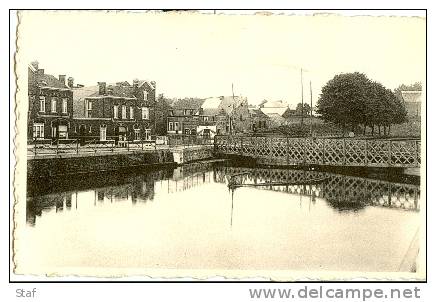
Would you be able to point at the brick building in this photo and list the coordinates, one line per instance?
(50, 108)
(184, 116)
(208, 117)
(119, 112)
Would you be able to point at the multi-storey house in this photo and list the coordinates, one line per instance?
(50, 108)
(224, 115)
(183, 116)
(118, 112)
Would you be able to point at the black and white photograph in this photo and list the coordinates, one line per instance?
(199, 145)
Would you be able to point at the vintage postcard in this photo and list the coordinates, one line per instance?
(266, 146)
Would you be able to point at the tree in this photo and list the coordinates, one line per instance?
(343, 100)
(162, 110)
(352, 100)
(306, 109)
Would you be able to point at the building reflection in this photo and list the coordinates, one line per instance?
(342, 193)
(131, 188)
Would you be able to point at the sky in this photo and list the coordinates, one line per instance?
(202, 55)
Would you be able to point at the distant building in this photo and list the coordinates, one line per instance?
(225, 115)
(50, 108)
(273, 108)
(183, 116)
(120, 111)
(208, 117)
(412, 102)
(259, 120)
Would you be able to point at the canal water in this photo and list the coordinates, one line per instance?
(218, 216)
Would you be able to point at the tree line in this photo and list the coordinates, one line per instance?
(351, 100)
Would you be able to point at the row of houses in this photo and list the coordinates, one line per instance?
(129, 111)
(59, 109)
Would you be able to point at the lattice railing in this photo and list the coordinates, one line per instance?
(339, 190)
(323, 151)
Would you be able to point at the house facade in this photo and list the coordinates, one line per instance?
(184, 116)
(119, 112)
(412, 102)
(259, 120)
(50, 110)
(209, 117)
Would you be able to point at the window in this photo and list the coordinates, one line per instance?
(88, 112)
(42, 104)
(123, 112)
(53, 105)
(170, 126)
(176, 126)
(137, 135)
(145, 95)
(147, 134)
(171, 112)
(131, 113)
(63, 131)
(145, 113)
(64, 106)
(38, 130)
(103, 132)
(187, 131)
(90, 129)
(205, 118)
(187, 112)
(115, 111)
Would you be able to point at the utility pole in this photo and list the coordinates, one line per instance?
(233, 108)
(310, 108)
(302, 97)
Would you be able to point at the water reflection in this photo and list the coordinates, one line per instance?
(342, 193)
(189, 217)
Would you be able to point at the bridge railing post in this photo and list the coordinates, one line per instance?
(287, 150)
(366, 152)
(390, 153)
(242, 144)
(344, 154)
(416, 154)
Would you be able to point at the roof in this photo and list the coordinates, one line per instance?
(211, 103)
(83, 92)
(257, 113)
(274, 110)
(49, 80)
(152, 84)
(274, 104)
(411, 96)
(188, 103)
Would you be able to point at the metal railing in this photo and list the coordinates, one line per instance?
(189, 140)
(87, 145)
(323, 151)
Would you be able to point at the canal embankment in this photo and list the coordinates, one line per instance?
(82, 163)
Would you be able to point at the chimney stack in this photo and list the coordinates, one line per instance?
(101, 88)
(70, 82)
(62, 78)
(35, 64)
